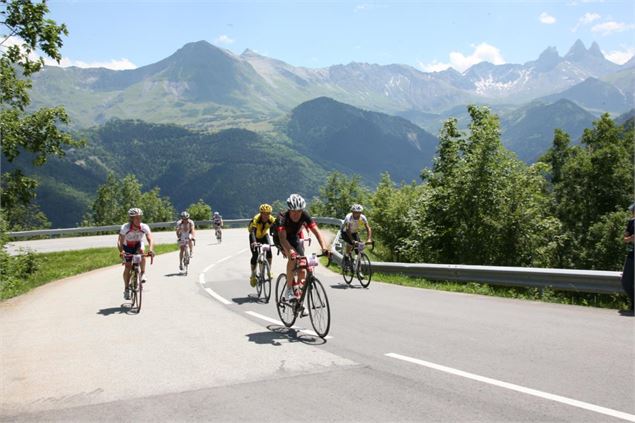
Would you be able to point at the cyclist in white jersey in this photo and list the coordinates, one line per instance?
(186, 234)
(131, 241)
(350, 227)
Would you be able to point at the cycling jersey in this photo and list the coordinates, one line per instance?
(351, 224)
(185, 226)
(294, 228)
(217, 220)
(134, 235)
(259, 229)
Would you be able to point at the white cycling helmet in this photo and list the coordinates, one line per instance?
(357, 208)
(185, 215)
(296, 202)
(135, 212)
(216, 214)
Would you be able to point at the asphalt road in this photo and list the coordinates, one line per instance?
(203, 349)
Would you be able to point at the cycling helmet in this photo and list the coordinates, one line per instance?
(216, 214)
(265, 208)
(135, 212)
(357, 208)
(296, 202)
(185, 215)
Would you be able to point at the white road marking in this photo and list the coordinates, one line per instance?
(218, 297)
(201, 278)
(278, 322)
(518, 388)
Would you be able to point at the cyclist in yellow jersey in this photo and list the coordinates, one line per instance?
(259, 234)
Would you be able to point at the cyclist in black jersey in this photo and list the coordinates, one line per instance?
(288, 227)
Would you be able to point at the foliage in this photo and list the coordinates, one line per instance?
(115, 197)
(338, 194)
(200, 210)
(479, 204)
(26, 31)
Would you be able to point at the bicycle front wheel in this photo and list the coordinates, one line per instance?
(286, 311)
(319, 310)
(347, 270)
(265, 271)
(259, 281)
(139, 294)
(364, 271)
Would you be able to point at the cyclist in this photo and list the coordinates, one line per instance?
(186, 234)
(217, 221)
(131, 241)
(288, 227)
(350, 228)
(259, 234)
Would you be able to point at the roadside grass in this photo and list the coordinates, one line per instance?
(548, 295)
(42, 268)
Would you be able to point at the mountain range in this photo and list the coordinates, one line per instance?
(203, 86)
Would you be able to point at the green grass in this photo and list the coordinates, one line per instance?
(611, 301)
(42, 268)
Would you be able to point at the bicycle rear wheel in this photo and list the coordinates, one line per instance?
(319, 310)
(266, 281)
(366, 270)
(286, 311)
(347, 270)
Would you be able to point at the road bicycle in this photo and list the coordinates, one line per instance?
(358, 266)
(311, 290)
(135, 286)
(219, 234)
(263, 272)
(186, 254)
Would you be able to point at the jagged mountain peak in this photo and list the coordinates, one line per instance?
(577, 51)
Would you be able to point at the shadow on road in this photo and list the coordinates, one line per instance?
(627, 313)
(122, 309)
(169, 275)
(249, 299)
(344, 286)
(278, 334)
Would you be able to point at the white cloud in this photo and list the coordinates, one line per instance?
(224, 39)
(483, 52)
(586, 19)
(114, 64)
(620, 56)
(546, 18)
(609, 27)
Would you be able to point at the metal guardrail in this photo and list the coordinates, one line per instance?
(592, 281)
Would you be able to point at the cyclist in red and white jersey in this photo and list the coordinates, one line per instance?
(131, 241)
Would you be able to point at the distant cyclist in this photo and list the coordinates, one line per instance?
(350, 228)
(217, 221)
(186, 234)
(288, 227)
(131, 241)
(259, 234)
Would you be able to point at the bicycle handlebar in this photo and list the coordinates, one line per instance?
(124, 255)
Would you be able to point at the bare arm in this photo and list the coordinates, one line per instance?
(120, 241)
(370, 232)
(150, 242)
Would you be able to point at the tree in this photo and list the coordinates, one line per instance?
(338, 194)
(200, 210)
(115, 197)
(26, 31)
(596, 184)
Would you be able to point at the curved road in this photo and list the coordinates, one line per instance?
(203, 348)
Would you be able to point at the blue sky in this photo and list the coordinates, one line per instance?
(429, 35)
